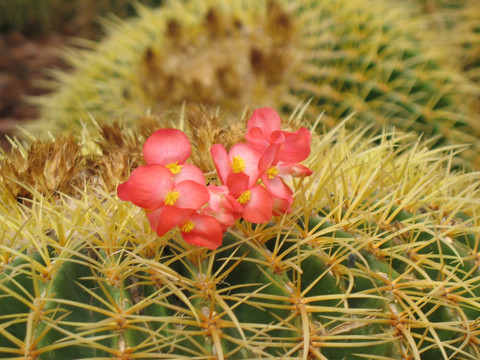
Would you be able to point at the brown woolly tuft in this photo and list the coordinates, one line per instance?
(206, 130)
(52, 166)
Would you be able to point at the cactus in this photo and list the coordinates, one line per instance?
(379, 258)
(348, 56)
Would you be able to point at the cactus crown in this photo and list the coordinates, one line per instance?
(221, 57)
(379, 258)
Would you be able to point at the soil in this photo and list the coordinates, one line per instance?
(24, 64)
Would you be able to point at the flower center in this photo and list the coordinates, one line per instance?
(243, 199)
(272, 172)
(187, 227)
(172, 197)
(174, 168)
(238, 164)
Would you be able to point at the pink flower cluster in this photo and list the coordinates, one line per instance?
(174, 193)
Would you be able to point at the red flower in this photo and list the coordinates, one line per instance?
(242, 159)
(223, 206)
(171, 147)
(167, 147)
(196, 228)
(154, 188)
(167, 218)
(255, 200)
(239, 171)
(173, 193)
(263, 131)
(202, 230)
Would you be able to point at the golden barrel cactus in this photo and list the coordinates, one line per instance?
(378, 259)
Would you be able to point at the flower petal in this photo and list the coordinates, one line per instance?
(278, 189)
(167, 146)
(167, 217)
(206, 231)
(281, 206)
(250, 156)
(296, 146)
(223, 206)
(293, 169)
(266, 119)
(122, 191)
(220, 198)
(147, 186)
(268, 158)
(190, 172)
(192, 195)
(256, 139)
(222, 162)
(260, 206)
(237, 184)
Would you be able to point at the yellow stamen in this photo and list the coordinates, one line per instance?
(187, 227)
(174, 168)
(238, 164)
(272, 172)
(172, 197)
(244, 198)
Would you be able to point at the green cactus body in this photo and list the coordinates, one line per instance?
(379, 259)
(348, 56)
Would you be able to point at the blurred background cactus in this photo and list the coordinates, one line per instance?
(456, 29)
(379, 258)
(347, 56)
(31, 33)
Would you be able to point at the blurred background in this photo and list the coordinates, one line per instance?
(31, 34)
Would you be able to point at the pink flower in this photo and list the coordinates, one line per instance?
(263, 130)
(222, 206)
(282, 150)
(167, 147)
(154, 188)
(255, 200)
(167, 218)
(173, 192)
(202, 230)
(171, 147)
(242, 159)
(281, 193)
(238, 170)
(270, 167)
(196, 228)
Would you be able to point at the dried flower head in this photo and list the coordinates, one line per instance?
(51, 166)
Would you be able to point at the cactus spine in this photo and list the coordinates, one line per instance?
(379, 258)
